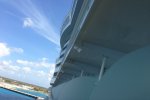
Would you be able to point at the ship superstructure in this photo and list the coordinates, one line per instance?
(104, 51)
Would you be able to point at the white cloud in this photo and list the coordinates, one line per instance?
(42, 63)
(41, 73)
(6, 63)
(7, 66)
(24, 62)
(44, 59)
(50, 74)
(37, 20)
(27, 22)
(17, 50)
(4, 50)
(26, 69)
(24, 73)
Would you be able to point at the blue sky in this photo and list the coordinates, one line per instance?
(29, 38)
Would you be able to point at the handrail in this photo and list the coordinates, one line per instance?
(73, 8)
(57, 68)
(62, 51)
(68, 19)
(59, 60)
(66, 23)
(53, 79)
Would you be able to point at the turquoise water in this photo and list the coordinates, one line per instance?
(33, 93)
(10, 95)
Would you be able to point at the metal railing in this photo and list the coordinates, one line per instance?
(79, 23)
(53, 79)
(66, 23)
(60, 59)
(57, 69)
(63, 51)
(68, 18)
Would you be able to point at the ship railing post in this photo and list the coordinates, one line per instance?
(82, 71)
(102, 68)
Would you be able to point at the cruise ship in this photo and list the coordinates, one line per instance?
(105, 52)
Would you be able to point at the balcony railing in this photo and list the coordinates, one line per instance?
(79, 23)
(68, 18)
(53, 80)
(66, 23)
(57, 69)
(73, 7)
(61, 57)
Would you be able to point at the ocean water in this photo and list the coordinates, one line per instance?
(33, 93)
(10, 95)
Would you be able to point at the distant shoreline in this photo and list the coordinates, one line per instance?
(22, 85)
(23, 82)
